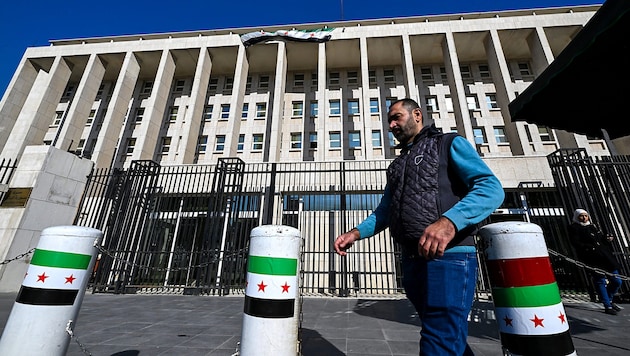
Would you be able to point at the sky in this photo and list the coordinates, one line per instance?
(34, 23)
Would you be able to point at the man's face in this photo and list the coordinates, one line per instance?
(404, 125)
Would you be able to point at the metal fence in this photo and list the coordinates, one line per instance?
(185, 229)
(7, 167)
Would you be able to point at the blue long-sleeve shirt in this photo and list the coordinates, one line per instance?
(484, 196)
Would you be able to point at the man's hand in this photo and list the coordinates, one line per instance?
(435, 238)
(345, 241)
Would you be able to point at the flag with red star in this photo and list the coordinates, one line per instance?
(272, 286)
(314, 35)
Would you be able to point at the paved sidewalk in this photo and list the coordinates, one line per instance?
(148, 325)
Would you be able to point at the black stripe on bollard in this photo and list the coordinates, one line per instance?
(41, 296)
(554, 344)
(269, 308)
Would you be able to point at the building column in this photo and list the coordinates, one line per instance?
(79, 110)
(148, 138)
(14, 98)
(275, 123)
(322, 104)
(366, 117)
(39, 109)
(107, 141)
(408, 72)
(505, 94)
(236, 101)
(192, 120)
(462, 116)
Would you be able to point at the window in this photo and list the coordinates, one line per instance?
(353, 78)
(465, 71)
(172, 116)
(101, 88)
(374, 106)
(229, 84)
(376, 138)
(426, 74)
(314, 79)
(431, 103)
(207, 112)
(257, 140)
(524, 70)
(57, 119)
(443, 75)
(213, 84)
(499, 135)
(202, 144)
(244, 111)
(491, 101)
(372, 77)
(139, 114)
(296, 140)
(298, 80)
(225, 111)
(264, 82)
(389, 102)
(241, 143)
(392, 139)
(314, 108)
(335, 139)
(220, 146)
(389, 76)
(166, 144)
(449, 104)
(333, 79)
(484, 71)
(335, 107)
(261, 110)
(90, 117)
(69, 91)
(354, 139)
(312, 138)
(80, 145)
(147, 87)
(545, 134)
(179, 86)
(131, 144)
(353, 107)
(480, 135)
(472, 102)
(297, 109)
(248, 83)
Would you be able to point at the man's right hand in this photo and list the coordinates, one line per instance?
(345, 241)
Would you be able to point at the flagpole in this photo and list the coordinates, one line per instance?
(341, 9)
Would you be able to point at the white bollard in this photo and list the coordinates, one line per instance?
(271, 310)
(527, 303)
(51, 293)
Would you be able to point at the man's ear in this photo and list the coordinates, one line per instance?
(417, 113)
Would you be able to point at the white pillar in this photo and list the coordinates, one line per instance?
(52, 292)
(271, 311)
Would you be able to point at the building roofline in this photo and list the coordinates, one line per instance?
(332, 24)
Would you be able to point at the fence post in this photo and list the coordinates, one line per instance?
(52, 292)
(271, 310)
(527, 303)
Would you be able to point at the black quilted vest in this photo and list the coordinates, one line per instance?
(423, 188)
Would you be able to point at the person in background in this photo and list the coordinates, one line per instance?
(594, 249)
(437, 190)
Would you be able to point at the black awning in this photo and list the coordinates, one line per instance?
(587, 87)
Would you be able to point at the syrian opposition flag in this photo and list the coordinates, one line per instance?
(272, 286)
(53, 278)
(314, 35)
(528, 307)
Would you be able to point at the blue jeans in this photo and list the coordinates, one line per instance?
(606, 291)
(442, 292)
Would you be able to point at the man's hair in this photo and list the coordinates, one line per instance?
(408, 104)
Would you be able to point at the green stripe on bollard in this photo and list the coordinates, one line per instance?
(535, 296)
(60, 259)
(275, 266)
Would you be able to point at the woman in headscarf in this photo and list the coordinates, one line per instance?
(594, 248)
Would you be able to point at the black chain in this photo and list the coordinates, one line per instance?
(20, 256)
(580, 264)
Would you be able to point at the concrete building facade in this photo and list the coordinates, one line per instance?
(193, 97)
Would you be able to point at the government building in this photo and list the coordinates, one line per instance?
(305, 104)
